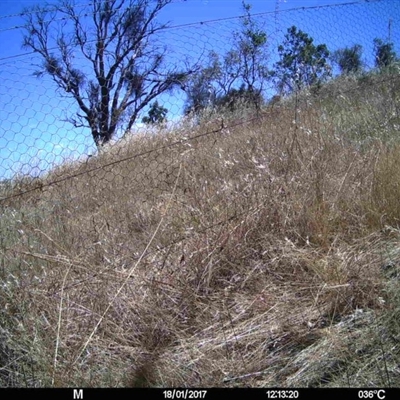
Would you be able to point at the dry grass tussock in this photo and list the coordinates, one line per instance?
(261, 254)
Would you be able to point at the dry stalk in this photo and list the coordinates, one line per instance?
(59, 325)
(131, 271)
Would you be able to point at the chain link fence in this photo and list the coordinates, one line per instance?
(185, 193)
(35, 133)
(42, 152)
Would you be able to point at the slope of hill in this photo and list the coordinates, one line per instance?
(250, 250)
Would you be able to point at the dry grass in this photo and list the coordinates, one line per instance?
(259, 254)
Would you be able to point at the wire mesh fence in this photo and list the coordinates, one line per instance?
(41, 148)
(36, 135)
(192, 191)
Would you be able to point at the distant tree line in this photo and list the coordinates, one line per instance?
(129, 71)
(242, 74)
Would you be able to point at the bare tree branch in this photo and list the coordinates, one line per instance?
(106, 57)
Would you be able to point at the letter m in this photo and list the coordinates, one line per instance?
(78, 394)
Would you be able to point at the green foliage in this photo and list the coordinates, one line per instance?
(240, 72)
(384, 53)
(156, 115)
(237, 98)
(250, 48)
(199, 89)
(348, 59)
(302, 64)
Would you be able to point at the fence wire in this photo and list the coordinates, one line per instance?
(64, 202)
(45, 157)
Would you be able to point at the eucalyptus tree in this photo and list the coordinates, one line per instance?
(301, 64)
(349, 59)
(106, 55)
(236, 76)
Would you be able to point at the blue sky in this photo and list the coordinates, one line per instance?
(33, 135)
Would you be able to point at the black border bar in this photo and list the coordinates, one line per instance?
(201, 393)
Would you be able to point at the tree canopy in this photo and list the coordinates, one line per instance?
(106, 56)
(236, 76)
(156, 114)
(384, 53)
(302, 63)
(349, 59)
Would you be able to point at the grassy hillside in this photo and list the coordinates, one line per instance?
(251, 250)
